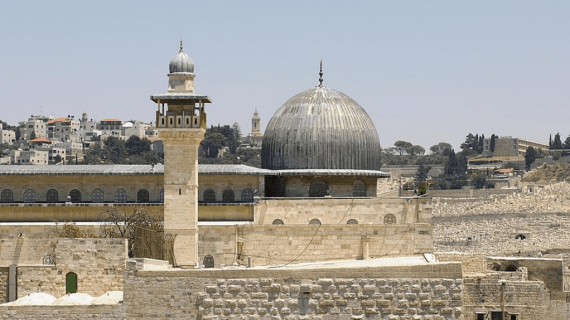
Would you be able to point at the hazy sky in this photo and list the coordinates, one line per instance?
(425, 71)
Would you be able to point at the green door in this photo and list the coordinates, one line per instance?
(71, 283)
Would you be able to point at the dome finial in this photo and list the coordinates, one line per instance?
(321, 75)
(180, 45)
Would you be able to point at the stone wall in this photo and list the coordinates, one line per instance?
(98, 263)
(3, 284)
(470, 263)
(280, 244)
(502, 292)
(340, 210)
(62, 312)
(431, 291)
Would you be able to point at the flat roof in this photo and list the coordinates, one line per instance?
(181, 97)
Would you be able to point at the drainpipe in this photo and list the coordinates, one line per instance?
(503, 282)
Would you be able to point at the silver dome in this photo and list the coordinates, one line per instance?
(321, 128)
(181, 62)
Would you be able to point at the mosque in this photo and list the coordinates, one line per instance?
(240, 234)
(320, 166)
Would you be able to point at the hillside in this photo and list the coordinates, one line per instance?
(549, 172)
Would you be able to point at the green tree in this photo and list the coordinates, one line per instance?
(567, 143)
(451, 164)
(441, 148)
(401, 146)
(236, 138)
(422, 172)
(415, 150)
(557, 143)
(492, 144)
(529, 157)
(212, 143)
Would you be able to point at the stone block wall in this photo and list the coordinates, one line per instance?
(62, 312)
(3, 284)
(470, 263)
(340, 210)
(280, 244)
(98, 263)
(392, 292)
(495, 292)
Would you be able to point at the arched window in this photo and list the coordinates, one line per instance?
(97, 196)
(7, 196)
(120, 196)
(209, 195)
(315, 221)
(208, 261)
(352, 221)
(389, 219)
(52, 195)
(247, 195)
(71, 282)
(142, 196)
(358, 189)
(75, 195)
(29, 195)
(511, 268)
(278, 222)
(318, 189)
(520, 237)
(228, 195)
(161, 196)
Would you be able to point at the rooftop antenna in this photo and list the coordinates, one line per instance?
(321, 75)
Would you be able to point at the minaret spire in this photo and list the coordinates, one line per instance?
(321, 75)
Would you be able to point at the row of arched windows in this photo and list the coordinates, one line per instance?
(97, 196)
(228, 195)
(388, 219)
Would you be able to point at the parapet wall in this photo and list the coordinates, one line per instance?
(98, 263)
(340, 210)
(430, 291)
(279, 244)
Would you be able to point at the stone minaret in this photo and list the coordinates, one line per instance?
(181, 124)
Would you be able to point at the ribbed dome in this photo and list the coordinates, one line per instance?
(181, 63)
(321, 128)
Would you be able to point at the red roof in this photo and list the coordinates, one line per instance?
(57, 120)
(40, 140)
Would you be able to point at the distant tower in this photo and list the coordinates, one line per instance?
(84, 117)
(181, 124)
(256, 135)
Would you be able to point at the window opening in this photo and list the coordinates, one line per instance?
(208, 261)
(7, 195)
(29, 195)
(75, 195)
(358, 189)
(71, 283)
(315, 221)
(389, 219)
(228, 196)
(143, 196)
(51, 195)
(120, 196)
(97, 196)
(352, 221)
(278, 222)
(209, 195)
(318, 189)
(247, 195)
